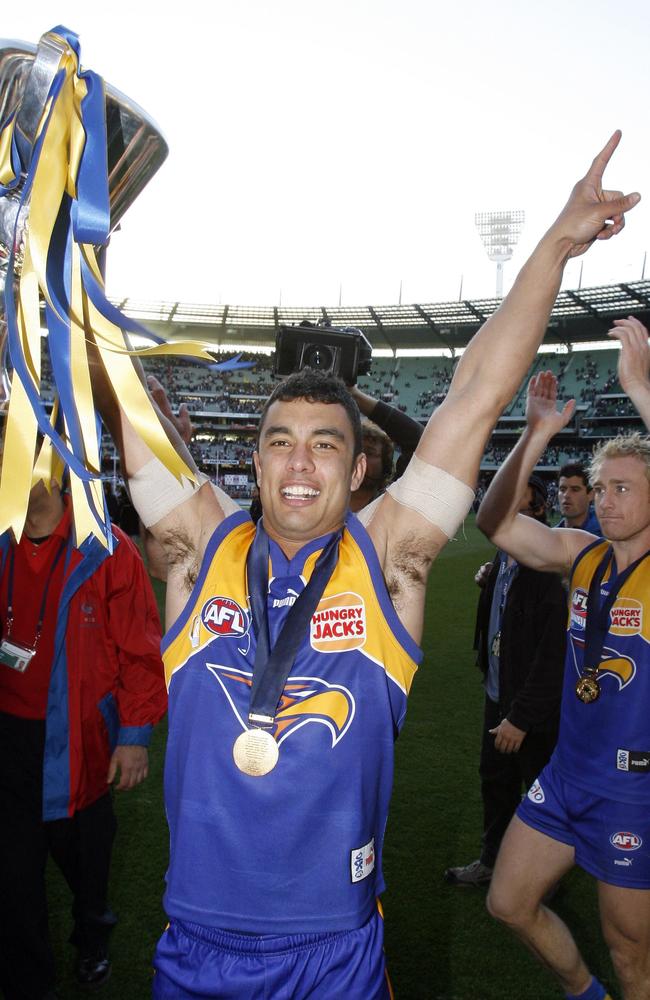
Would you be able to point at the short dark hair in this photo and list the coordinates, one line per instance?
(316, 387)
(540, 493)
(574, 469)
(539, 497)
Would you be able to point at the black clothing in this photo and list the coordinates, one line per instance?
(531, 667)
(401, 429)
(533, 640)
(502, 775)
(80, 846)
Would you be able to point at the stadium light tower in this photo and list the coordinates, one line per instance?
(499, 232)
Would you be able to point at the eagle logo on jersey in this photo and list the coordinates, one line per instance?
(623, 668)
(304, 700)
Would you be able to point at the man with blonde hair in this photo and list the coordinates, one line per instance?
(634, 445)
(590, 805)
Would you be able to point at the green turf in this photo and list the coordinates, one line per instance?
(440, 942)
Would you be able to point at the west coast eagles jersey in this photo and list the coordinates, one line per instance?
(604, 746)
(299, 849)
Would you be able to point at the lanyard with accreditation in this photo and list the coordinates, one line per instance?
(255, 751)
(16, 654)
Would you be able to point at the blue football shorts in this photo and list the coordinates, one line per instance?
(204, 963)
(611, 839)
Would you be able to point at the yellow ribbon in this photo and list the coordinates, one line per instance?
(49, 466)
(7, 174)
(56, 174)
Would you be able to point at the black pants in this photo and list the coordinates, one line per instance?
(502, 777)
(80, 846)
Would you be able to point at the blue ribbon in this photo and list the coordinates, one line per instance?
(86, 220)
(16, 354)
(91, 211)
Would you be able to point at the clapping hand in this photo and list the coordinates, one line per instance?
(541, 405)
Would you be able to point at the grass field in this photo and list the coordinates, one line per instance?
(440, 942)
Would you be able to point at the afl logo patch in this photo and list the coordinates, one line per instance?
(339, 624)
(626, 617)
(223, 616)
(625, 841)
(579, 608)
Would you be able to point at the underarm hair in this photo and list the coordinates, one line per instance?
(155, 492)
(435, 494)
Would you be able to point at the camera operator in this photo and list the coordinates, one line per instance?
(384, 428)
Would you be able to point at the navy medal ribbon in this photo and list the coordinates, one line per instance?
(272, 667)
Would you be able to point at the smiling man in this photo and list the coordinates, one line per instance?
(590, 805)
(280, 754)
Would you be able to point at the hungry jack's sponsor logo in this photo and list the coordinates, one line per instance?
(626, 617)
(339, 623)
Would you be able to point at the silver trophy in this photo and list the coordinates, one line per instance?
(136, 149)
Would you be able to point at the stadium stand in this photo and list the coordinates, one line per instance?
(225, 406)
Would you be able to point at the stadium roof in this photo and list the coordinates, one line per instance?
(582, 315)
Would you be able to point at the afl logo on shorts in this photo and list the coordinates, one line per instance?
(536, 793)
(625, 841)
(579, 608)
(223, 616)
(339, 624)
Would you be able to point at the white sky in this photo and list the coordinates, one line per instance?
(347, 144)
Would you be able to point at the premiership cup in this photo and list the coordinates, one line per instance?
(136, 149)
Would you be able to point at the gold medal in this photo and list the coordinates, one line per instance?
(588, 688)
(255, 752)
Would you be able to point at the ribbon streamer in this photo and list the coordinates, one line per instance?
(63, 182)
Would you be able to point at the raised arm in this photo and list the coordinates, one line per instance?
(403, 430)
(487, 377)
(529, 541)
(498, 357)
(634, 363)
(155, 553)
(181, 517)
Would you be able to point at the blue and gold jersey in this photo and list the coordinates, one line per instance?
(604, 747)
(298, 850)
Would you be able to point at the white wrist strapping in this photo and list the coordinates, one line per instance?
(435, 494)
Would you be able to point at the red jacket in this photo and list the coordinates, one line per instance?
(107, 682)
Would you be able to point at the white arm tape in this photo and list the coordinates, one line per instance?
(435, 494)
(367, 513)
(227, 504)
(155, 492)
